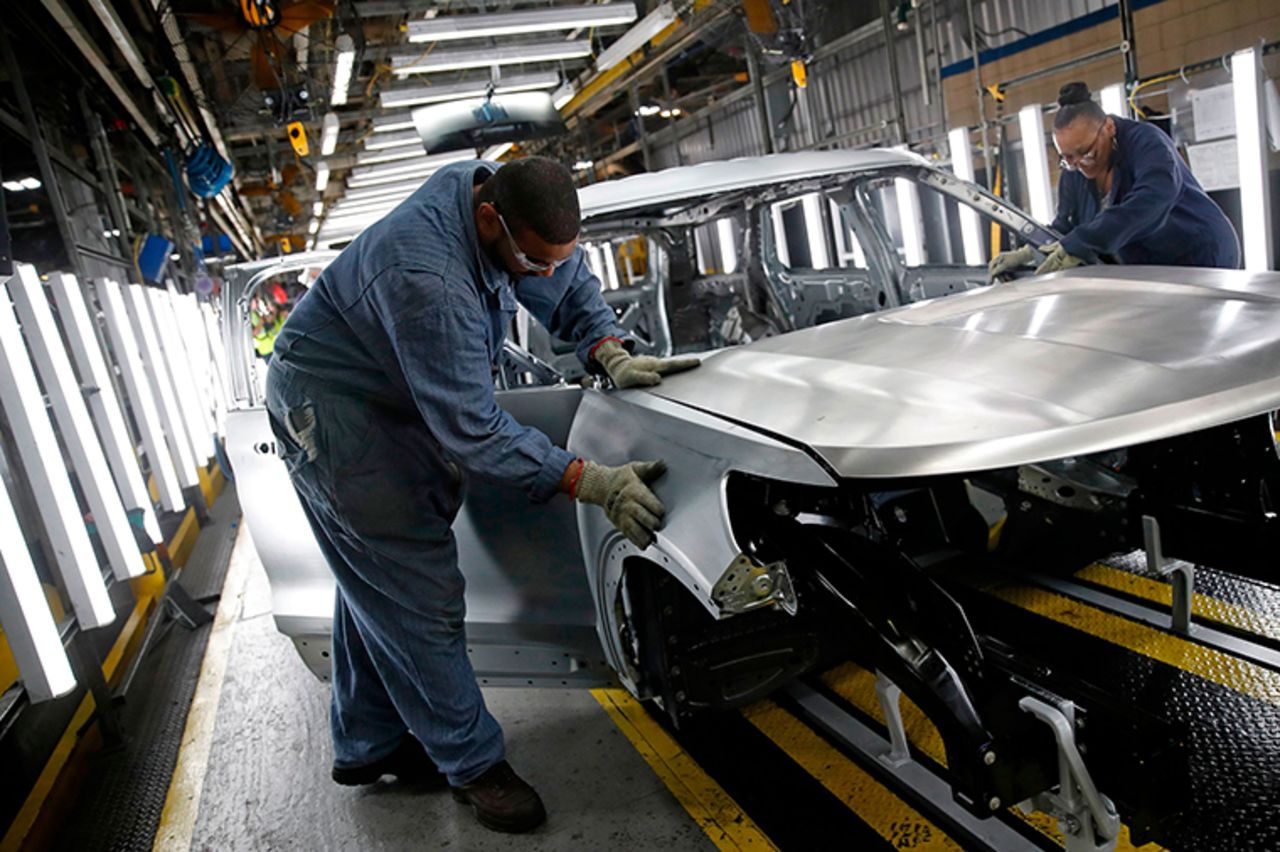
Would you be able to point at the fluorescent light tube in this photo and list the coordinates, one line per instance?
(313, 226)
(563, 95)
(356, 194)
(637, 37)
(1112, 99)
(456, 60)
(417, 95)
(495, 151)
(391, 140)
(449, 27)
(388, 155)
(728, 248)
(422, 165)
(317, 208)
(25, 616)
(322, 177)
(970, 225)
(392, 123)
(30, 183)
(813, 226)
(909, 216)
(342, 67)
(329, 134)
(1255, 206)
(1031, 121)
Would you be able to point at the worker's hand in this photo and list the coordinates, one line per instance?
(1007, 261)
(624, 494)
(1057, 259)
(637, 371)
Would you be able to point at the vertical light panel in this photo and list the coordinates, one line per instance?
(1251, 151)
(144, 404)
(104, 407)
(814, 225)
(178, 361)
(1031, 122)
(970, 226)
(24, 615)
(610, 264)
(23, 405)
(909, 214)
(728, 248)
(1113, 100)
(63, 388)
(203, 359)
(214, 336)
(780, 247)
(175, 431)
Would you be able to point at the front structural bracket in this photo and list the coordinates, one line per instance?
(1088, 818)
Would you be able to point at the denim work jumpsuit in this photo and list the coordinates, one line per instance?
(1156, 213)
(381, 396)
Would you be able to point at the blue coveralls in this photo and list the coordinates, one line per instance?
(1157, 213)
(381, 395)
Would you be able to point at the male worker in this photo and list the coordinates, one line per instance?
(1125, 192)
(381, 395)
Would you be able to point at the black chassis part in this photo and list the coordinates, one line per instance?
(866, 551)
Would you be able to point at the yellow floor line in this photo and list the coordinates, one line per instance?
(1232, 672)
(182, 804)
(858, 686)
(875, 804)
(728, 827)
(1206, 607)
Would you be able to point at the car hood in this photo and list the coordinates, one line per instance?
(1066, 364)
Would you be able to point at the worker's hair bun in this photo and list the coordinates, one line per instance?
(1074, 93)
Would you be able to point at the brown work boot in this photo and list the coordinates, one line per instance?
(409, 763)
(502, 800)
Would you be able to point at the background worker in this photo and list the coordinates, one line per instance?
(1125, 192)
(381, 394)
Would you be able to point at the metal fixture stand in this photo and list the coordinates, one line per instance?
(1088, 818)
(890, 697)
(175, 605)
(1181, 574)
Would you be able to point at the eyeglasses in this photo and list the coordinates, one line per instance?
(524, 259)
(1069, 163)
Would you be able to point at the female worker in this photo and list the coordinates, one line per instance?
(1125, 192)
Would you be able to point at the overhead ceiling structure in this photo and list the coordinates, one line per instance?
(312, 101)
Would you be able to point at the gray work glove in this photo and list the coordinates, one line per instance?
(1007, 261)
(1057, 259)
(627, 500)
(637, 371)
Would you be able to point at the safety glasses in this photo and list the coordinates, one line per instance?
(1070, 162)
(524, 259)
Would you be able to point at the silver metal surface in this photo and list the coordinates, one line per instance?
(1068, 364)
(686, 182)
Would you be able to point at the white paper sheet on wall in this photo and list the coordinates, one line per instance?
(1214, 113)
(1215, 164)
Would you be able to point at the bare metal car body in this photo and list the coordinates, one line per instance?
(820, 480)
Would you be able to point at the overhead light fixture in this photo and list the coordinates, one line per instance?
(646, 110)
(456, 60)
(421, 167)
(391, 140)
(819, 258)
(342, 67)
(1251, 154)
(30, 183)
(417, 95)
(317, 208)
(494, 152)
(1112, 99)
(583, 165)
(329, 134)
(392, 123)
(970, 226)
(12, 185)
(669, 113)
(403, 186)
(563, 95)
(450, 27)
(322, 177)
(637, 37)
(387, 155)
(1031, 122)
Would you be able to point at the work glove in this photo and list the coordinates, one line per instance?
(1057, 259)
(637, 371)
(622, 492)
(1007, 261)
